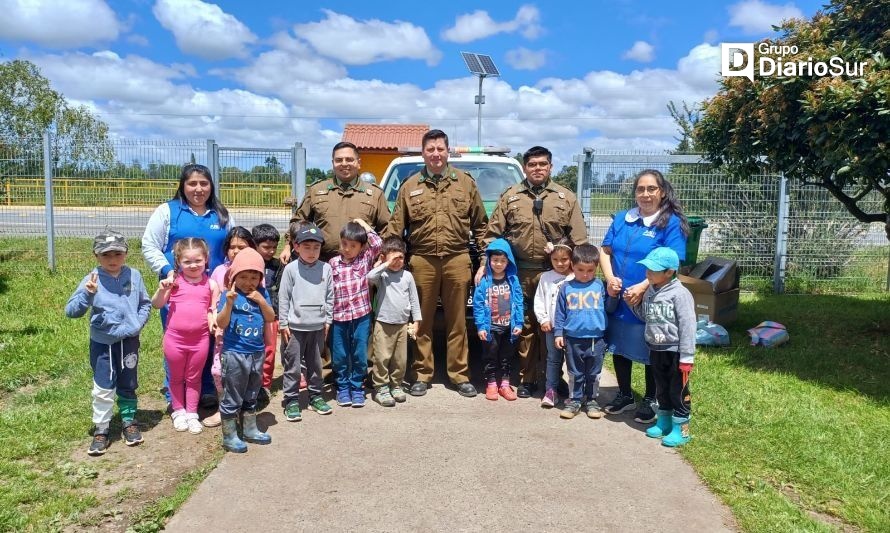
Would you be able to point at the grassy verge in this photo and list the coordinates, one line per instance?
(795, 438)
(46, 482)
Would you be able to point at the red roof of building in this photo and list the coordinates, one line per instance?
(384, 136)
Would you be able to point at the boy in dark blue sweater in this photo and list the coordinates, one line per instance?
(579, 326)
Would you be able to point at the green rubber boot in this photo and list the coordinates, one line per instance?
(679, 434)
(662, 426)
(231, 441)
(251, 432)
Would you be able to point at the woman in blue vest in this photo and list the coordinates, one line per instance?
(194, 211)
(657, 220)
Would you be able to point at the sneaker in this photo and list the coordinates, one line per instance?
(419, 388)
(491, 391)
(619, 404)
(646, 413)
(99, 444)
(212, 421)
(317, 404)
(384, 397)
(506, 391)
(525, 390)
(593, 409)
(398, 394)
(358, 398)
(344, 399)
(292, 412)
(179, 421)
(132, 435)
(570, 409)
(549, 400)
(194, 426)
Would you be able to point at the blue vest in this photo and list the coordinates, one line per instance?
(185, 223)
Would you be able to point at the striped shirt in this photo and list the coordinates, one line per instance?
(351, 297)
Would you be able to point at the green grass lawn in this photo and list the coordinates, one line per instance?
(796, 438)
(793, 438)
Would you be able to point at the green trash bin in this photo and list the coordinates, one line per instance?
(696, 225)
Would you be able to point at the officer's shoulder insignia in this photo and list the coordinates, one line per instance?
(370, 192)
(512, 198)
(562, 195)
(415, 192)
(321, 191)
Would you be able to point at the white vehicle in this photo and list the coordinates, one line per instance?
(492, 167)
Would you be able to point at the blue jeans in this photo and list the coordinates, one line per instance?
(349, 352)
(554, 363)
(584, 357)
(207, 386)
(242, 377)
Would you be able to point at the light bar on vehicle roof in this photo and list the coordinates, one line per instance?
(457, 150)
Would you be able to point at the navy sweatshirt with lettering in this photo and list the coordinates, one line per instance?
(579, 310)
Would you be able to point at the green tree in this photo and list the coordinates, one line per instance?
(830, 132)
(685, 119)
(317, 174)
(568, 177)
(28, 106)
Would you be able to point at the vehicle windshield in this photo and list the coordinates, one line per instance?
(492, 177)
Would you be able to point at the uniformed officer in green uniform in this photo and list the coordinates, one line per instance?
(331, 203)
(436, 211)
(530, 215)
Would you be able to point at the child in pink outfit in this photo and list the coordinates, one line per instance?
(191, 319)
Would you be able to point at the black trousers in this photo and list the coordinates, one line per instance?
(671, 385)
(497, 355)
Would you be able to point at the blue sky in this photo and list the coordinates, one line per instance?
(271, 73)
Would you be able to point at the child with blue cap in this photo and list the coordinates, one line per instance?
(668, 309)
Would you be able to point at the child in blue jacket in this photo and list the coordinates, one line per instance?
(498, 312)
(120, 307)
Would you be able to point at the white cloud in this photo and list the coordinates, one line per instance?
(59, 23)
(291, 60)
(525, 59)
(479, 25)
(641, 51)
(204, 29)
(710, 36)
(138, 40)
(757, 17)
(354, 42)
(276, 107)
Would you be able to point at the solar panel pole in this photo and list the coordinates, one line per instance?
(480, 99)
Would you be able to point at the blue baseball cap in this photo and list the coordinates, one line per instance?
(661, 259)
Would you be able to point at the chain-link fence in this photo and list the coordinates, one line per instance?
(119, 182)
(820, 248)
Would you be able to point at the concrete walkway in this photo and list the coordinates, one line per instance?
(447, 463)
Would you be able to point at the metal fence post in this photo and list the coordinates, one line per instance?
(781, 238)
(48, 185)
(298, 174)
(213, 164)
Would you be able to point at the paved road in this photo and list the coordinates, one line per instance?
(447, 463)
(88, 221)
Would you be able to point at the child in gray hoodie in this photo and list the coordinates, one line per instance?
(120, 307)
(305, 313)
(669, 312)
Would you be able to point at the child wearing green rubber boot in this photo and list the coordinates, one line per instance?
(669, 312)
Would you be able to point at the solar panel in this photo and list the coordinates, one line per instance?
(472, 62)
(488, 65)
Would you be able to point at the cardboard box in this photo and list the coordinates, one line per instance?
(714, 284)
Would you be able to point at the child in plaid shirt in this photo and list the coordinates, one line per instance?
(359, 247)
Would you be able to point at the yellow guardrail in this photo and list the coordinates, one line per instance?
(77, 192)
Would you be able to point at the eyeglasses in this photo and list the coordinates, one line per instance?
(652, 189)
